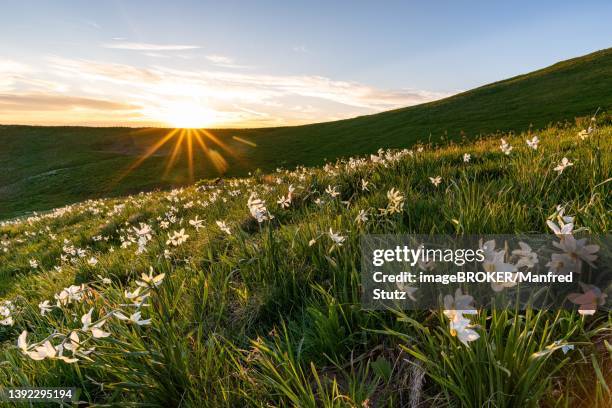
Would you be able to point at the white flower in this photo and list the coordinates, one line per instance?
(563, 264)
(505, 147)
(70, 294)
(461, 328)
(533, 143)
(92, 261)
(143, 231)
(364, 185)
(332, 191)
(135, 296)
(527, 258)
(454, 309)
(285, 202)
(258, 209)
(396, 202)
(436, 180)
(312, 242)
(495, 262)
(177, 238)
(95, 329)
(150, 280)
(223, 227)
(33, 263)
(589, 300)
(361, 217)
(337, 238)
(104, 280)
(562, 229)
(196, 223)
(563, 165)
(134, 318)
(467, 157)
(583, 134)
(45, 307)
(578, 249)
(41, 351)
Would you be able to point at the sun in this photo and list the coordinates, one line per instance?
(187, 115)
(188, 138)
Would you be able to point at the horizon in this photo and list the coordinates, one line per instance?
(110, 65)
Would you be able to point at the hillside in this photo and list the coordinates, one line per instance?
(52, 166)
(206, 296)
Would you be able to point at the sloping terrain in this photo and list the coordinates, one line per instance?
(246, 292)
(51, 166)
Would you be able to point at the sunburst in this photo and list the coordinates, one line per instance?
(186, 143)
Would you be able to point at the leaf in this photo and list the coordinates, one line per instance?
(382, 368)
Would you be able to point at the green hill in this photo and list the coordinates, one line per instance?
(269, 313)
(52, 166)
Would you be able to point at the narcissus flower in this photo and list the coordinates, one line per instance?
(150, 280)
(95, 329)
(505, 147)
(565, 163)
(196, 223)
(454, 309)
(533, 143)
(336, 238)
(177, 237)
(134, 318)
(223, 227)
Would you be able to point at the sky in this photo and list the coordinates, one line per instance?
(270, 63)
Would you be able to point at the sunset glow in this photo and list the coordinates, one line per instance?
(186, 115)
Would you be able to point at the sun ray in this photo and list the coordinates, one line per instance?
(203, 146)
(184, 140)
(190, 153)
(217, 141)
(151, 151)
(241, 140)
(175, 152)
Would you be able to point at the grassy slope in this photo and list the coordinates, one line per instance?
(262, 318)
(46, 166)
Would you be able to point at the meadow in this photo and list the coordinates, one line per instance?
(246, 291)
(47, 167)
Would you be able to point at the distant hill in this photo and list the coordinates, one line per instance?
(46, 167)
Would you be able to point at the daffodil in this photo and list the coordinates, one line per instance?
(533, 143)
(589, 300)
(177, 237)
(45, 307)
(565, 163)
(223, 227)
(196, 223)
(95, 329)
(336, 238)
(150, 280)
(436, 180)
(134, 318)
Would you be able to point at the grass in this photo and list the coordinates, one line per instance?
(40, 173)
(263, 317)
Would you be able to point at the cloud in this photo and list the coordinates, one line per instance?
(235, 98)
(219, 59)
(137, 46)
(224, 62)
(52, 102)
(300, 48)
